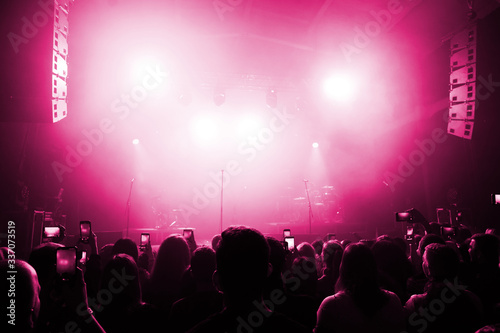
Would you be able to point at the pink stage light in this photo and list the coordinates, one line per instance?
(204, 130)
(248, 125)
(340, 87)
(135, 141)
(315, 145)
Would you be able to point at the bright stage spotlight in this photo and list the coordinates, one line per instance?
(135, 141)
(204, 130)
(340, 87)
(315, 145)
(248, 125)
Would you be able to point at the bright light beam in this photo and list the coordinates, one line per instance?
(340, 88)
(204, 130)
(247, 125)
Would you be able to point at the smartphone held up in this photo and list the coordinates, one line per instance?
(290, 241)
(144, 241)
(66, 262)
(85, 231)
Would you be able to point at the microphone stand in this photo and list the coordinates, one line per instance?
(309, 204)
(128, 204)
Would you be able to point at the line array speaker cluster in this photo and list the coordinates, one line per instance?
(34, 60)
(474, 75)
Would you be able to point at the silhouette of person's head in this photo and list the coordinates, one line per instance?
(484, 250)
(306, 250)
(434, 228)
(389, 256)
(428, 239)
(43, 259)
(203, 264)
(242, 265)
(393, 266)
(24, 283)
(332, 255)
(318, 246)
(359, 278)
(121, 307)
(358, 268)
(172, 260)
(304, 269)
(383, 237)
(402, 243)
(440, 262)
(106, 253)
(128, 292)
(215, 241)
(127, 246)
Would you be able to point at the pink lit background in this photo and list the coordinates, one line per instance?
(348, 109)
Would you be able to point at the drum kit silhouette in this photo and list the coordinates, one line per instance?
(325, 201)
(165, 217)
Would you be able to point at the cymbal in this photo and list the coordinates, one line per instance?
(328, 187)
